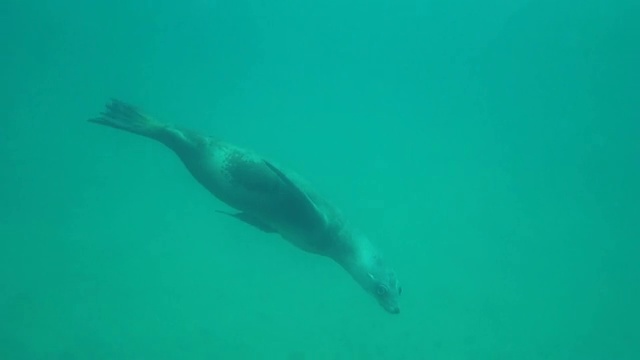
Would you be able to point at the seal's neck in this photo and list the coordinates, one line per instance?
(359, 257)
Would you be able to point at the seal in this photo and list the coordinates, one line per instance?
(267, 197)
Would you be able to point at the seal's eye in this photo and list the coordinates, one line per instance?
(381, 290)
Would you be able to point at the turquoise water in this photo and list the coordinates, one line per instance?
(489, 149)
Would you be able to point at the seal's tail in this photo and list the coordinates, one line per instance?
(123, 116)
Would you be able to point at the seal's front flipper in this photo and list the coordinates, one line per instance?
(303, 205)
(251, 220)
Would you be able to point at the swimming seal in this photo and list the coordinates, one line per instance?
(267, 197)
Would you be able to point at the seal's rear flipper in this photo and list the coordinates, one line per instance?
(120, 115)
(123, 116)
(251, 220)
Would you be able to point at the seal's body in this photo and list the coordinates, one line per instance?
(269, 198)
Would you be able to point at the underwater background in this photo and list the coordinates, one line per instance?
(490, 150)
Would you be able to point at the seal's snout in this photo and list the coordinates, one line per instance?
(390, 305)
(393, 310)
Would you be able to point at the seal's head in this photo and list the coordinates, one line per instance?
(372, 273)
(366, 265)
(384, 287)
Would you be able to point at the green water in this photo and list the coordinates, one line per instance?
(490, 149)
